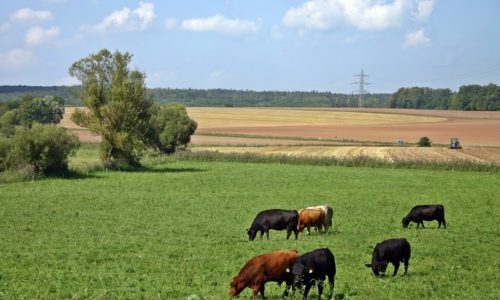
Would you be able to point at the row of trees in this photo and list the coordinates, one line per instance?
(468, 97)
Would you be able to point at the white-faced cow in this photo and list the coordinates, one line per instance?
(421, 213)
(277, 219)
(390, 251)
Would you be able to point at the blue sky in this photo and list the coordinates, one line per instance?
(259, 44)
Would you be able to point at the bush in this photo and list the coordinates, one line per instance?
(44, 147)
(424, 142)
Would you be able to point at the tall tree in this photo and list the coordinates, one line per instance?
(118, 108)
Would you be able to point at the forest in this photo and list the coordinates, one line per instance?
(468, 97)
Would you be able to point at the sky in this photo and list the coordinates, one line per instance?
(285, 45)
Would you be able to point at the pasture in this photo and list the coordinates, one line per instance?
(177, 228)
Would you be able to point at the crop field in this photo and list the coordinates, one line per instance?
(176, 230)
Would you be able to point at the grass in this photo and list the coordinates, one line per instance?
(175, 229)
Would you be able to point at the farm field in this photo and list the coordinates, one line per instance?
(294, 130)
(177, 229)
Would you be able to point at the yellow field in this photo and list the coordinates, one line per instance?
(478, 155)
(222, 117)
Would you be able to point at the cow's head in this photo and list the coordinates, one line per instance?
(377, 267)
(252, 232)
(405, 222)
(235, 287)
(301, 274)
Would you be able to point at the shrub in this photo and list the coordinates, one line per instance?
(424, 142)
(44, 147)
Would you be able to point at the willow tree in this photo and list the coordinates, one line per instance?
(118, 108)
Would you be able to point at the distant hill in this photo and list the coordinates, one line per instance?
(213, 97)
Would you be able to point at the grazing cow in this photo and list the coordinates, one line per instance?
(328, 215)
(390, 251)
(421, 213)
(277, 219)
(309, 217)
(267, 267)
(313, 267)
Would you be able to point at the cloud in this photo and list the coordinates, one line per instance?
(416, 38)
(28, 15)
(127, 20)
(220, 24)
(170, 24)
(38, 35)
(362, 14)
(423, 9)
(15, 59)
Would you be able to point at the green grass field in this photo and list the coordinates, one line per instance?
(177, 229)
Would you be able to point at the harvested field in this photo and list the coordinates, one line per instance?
(391, 154)
(375, 125)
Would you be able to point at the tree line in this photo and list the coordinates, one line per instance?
(468, 97)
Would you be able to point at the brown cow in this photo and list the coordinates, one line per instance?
(256, 272)
(309, 217)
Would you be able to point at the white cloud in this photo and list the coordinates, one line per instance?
(416, 38)
(363, 14)
(24, 15)
(15, 59)
(216, 74)
(170, 24)
(127, 20)
(220, 24)
(423, 9)
(38, 35)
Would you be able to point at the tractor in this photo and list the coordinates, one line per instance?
(455, 143)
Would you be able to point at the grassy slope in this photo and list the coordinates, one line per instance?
(179, 229)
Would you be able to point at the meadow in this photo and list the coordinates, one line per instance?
(175, 229)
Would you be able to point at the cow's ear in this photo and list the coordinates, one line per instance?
(287, 270)
(368, 265)
(311, 271)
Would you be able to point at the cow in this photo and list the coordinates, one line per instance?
(267, 267)
(309, 217)
(313, 267)
(390, 251)
(421, 213)
(277, 219)
(328, 215)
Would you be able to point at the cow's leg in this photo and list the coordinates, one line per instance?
(439, 224)
(296, 232)
(262, 287)
(396, 267)
(418, 224)
(306, 290)
(261, 233)
(422, 223)
(406, 263)
(320, 289)
(331, 281)
(288, 233)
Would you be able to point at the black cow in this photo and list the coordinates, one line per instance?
(313, 267)
(421, 213)
(277, 219)
(390, 251)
